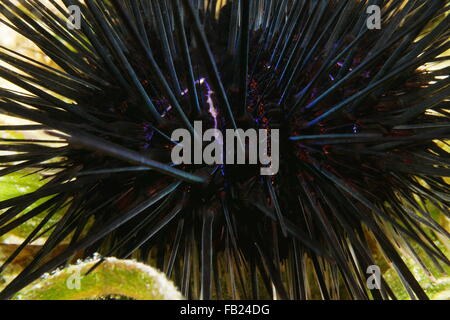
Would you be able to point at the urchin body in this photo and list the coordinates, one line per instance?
(359, 126)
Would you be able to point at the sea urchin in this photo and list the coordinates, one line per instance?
(362, 140)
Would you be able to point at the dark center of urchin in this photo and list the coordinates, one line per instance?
(266, 117)
(276, 98)
(269, 105)
(262, 111)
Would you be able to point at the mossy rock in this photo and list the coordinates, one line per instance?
(113, 277)
(20, 183)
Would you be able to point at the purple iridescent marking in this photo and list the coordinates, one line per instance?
(366, 74)
(148, 131)
(148, 135)
(212, 110)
